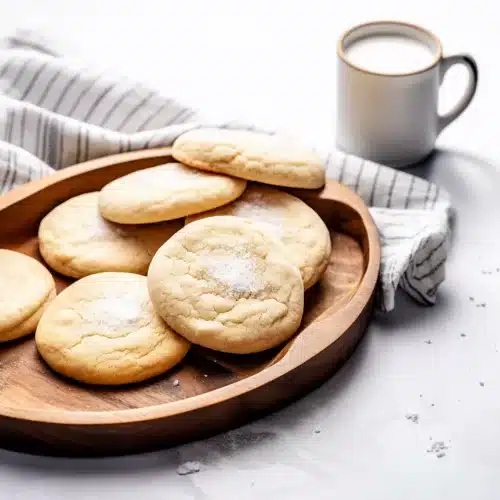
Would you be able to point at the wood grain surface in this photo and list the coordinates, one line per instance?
(42, 412)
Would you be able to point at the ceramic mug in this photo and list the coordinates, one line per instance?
(392, 117)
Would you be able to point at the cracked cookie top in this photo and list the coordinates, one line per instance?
(270, 159)
(225, 283)
(103, 329)
(75, 240)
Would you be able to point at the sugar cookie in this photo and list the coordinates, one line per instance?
(297, 225)
(76, 241)
(103, 329)
(252, 156)
(224, 283)
(26, 288)
(166, 192)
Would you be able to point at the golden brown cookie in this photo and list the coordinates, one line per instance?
(166, 192)
(226, 284)
(103, 329)
(26, 288)
(75, 240)
(297, 225)
(252, 156)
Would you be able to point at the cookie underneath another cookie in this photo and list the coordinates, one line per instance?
(226, 284)
(297, 225)
(103, 329)
(26, 288)
(166, 192)
(75, 240)
(252, 156)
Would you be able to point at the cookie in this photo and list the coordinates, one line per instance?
(75, 240)
(26, 288)
(103, 329)
(226, 284)
(252, 156)
(166, 192)
(297, 225)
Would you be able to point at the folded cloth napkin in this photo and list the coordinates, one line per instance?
(54, 114)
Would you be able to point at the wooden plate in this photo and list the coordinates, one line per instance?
(42, 412)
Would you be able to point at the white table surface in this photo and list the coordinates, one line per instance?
(274, 62)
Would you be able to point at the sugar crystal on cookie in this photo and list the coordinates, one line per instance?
(236, 272)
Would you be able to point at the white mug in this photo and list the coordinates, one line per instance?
(390, 114)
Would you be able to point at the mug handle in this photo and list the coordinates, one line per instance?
(446, 63)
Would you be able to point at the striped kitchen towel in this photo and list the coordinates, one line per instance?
(55, 114)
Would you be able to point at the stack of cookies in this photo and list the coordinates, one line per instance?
(181, 253)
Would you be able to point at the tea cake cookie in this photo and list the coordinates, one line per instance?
(166, 192)
(26, 288)
(252, 156)
(103, 329)
(75, 240)
(225, 284)
(295, 223)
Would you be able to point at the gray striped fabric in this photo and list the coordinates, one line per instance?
(55, 114)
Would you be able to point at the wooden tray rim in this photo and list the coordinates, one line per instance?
(299, 353)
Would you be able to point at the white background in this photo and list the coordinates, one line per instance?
(274, 62)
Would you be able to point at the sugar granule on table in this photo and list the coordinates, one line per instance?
(438, 448)
(414, 417)
(188, 468)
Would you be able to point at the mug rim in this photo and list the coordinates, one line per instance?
(425, 31)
